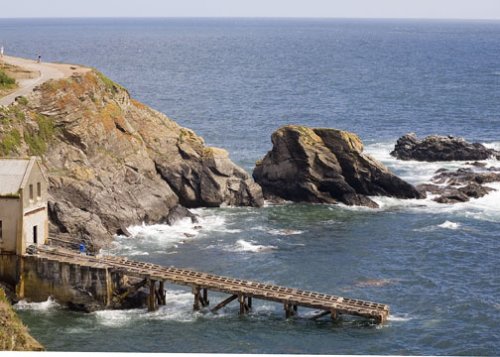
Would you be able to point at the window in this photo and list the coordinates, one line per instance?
(35, 234)
(38, 190)
(1, 230)
(31, 192)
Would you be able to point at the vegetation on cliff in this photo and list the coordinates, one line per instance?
(113, 161)
(14, 335)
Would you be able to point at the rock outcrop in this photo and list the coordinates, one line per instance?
(440, 148)
(460, 185)
(325, 166)
(112, 161)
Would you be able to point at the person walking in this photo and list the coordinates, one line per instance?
(1, 51)
(39, 59)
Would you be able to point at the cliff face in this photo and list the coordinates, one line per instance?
(113, 161)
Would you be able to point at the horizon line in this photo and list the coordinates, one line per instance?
(251, 17)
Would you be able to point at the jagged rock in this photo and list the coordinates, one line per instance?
(178, 213)
(123, 231)
(113, 162)
(325, 166)
(476, 164)
(206, 177)
(475, 190)
(460, 185)
(465, 176)
(440, 148)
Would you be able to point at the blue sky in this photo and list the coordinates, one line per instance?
(441, 9)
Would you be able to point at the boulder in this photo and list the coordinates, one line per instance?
(179, 213)
(440, 148)
(325, 166)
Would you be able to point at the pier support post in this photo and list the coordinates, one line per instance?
(160, 294)
(205, 301)
(290, 310)
(196, 293)
(334, 315)
(244, 307)
(200, 298)
(152, 305)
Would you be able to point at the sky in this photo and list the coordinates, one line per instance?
(420, 9)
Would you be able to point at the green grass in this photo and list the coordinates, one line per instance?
(6, 82)
(38, 141)
(110, 85)
(10, 142)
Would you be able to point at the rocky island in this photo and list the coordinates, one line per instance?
(325, 166)
(440, 148)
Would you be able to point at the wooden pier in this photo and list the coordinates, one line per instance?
(244, 291)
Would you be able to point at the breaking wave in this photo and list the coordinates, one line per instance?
(449, 225)
(47, 305)
(416, 172)
(164, 238)
(244, 246)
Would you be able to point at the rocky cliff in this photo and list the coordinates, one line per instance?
(325, 166)
(112, 161)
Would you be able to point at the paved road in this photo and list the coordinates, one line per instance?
(47, 72)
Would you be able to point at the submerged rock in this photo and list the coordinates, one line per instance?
(440, 148)
(179, 213)
(460, 185)
(325, 166)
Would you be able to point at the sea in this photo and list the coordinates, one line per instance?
(234, 82)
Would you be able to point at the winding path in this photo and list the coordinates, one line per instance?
(47, 71)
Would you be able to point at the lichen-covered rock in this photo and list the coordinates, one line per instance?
(325, 166)
(440, 148)
(114, 162)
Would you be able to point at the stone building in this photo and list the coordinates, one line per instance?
(23, 205)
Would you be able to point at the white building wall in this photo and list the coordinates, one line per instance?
(39, 220)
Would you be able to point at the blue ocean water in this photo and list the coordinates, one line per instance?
(235, 81)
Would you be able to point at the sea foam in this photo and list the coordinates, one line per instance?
(449, 225)
(249, 246)
(165, 238)
(47, 305)
(416, 172)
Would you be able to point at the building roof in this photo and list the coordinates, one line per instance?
(12, 174)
